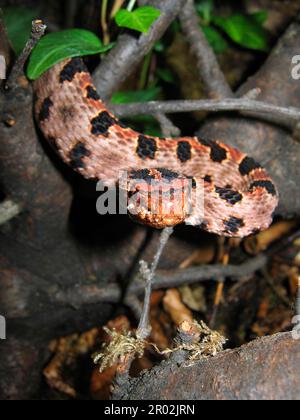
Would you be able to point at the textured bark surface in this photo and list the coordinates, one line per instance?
(267, 369)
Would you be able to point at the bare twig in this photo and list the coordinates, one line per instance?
(37, 31)
(165, 279)
(8, 211)
(298, 299)
(168, 129)
(208, 66)
(130, 50)
(288, 116)
(144, 328)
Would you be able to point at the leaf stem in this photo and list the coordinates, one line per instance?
(131, 5)
(145, 71)
(104, 24)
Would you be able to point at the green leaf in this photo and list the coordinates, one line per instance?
(139, 19)
(18, 22)
(215, 39)
(159, 47)
(204, 9)
(260, 17)
(244, 30)
(135, 96)
(166, 75)
(56, 47)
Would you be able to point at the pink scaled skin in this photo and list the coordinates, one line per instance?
(239, 196)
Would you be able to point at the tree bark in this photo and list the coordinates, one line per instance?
(266, 369)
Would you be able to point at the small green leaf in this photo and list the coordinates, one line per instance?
(204, 9)
(18, 22)
(159, 47)
(166, 75)
(260, 17)
(215, 39)
(135, 96)
(244, 30)
(58, 46)
(139, 20)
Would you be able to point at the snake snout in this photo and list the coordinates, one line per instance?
(158, 197)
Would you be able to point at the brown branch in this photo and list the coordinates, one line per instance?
(37, 31)
(207, 63)
(148, 273)
(164, 279)
(265, 369)
(168, 129)
(130, 49)
(288, 116)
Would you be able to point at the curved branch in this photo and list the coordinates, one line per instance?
(130, 50)
(86, 295)
(288, 116)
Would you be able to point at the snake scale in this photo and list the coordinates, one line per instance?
(239, 195)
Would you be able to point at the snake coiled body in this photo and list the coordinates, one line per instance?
(239, 196)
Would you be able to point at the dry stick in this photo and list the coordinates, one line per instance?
(207, 63)
(168, 129)
(298, 300)
(37, 31)
(288, 116)
(144, 328)
(8, 211)
(165, 279)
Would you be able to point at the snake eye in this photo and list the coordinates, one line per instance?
(160, 198)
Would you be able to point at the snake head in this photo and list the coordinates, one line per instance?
(158, 198)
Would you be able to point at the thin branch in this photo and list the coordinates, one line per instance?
(165, 279)
(298, 299)
(144, 328)
(8, 211)
(168, 129)
(37, 31)
(288, 116)
(207, 63)
(130, 49)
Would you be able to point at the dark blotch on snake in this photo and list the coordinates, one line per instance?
(92, 93)
(102, 123)
(267, 185)
(166, 173)
(45, 109)
(77, 154)
(146, 148)
(142, 174)
(232, 197)
(217, 153)
(184, 151)
(248, 165)
(76, 65)
(233, 224)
